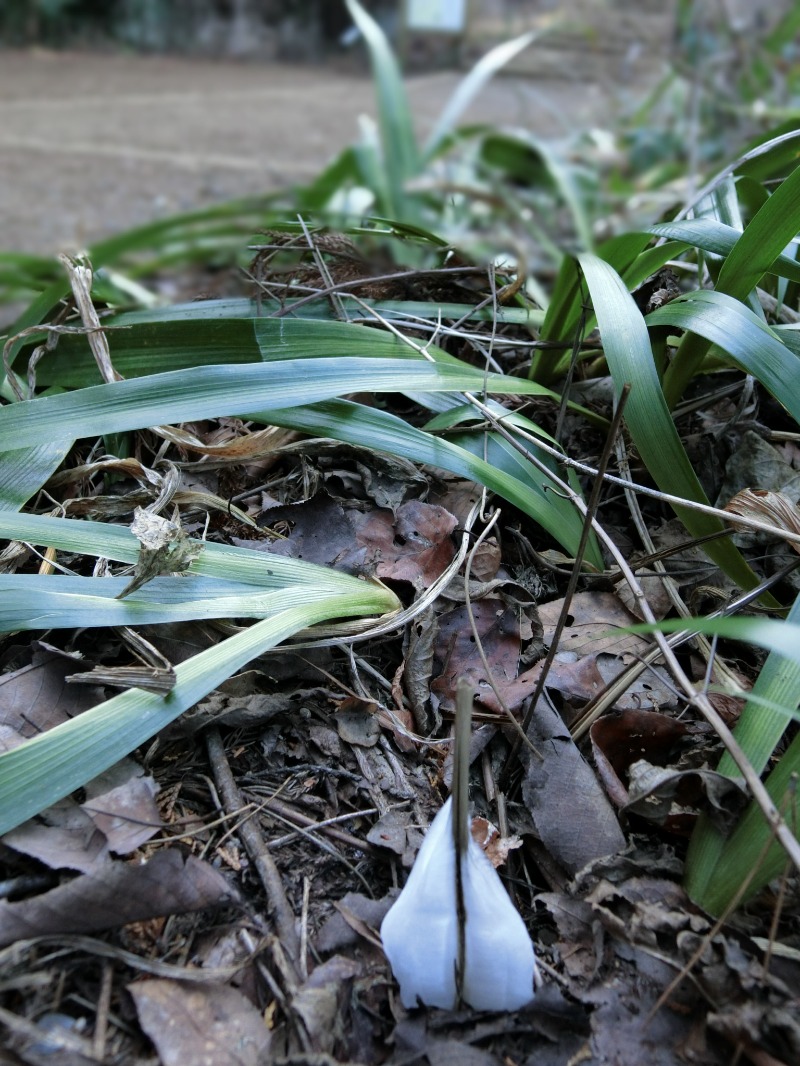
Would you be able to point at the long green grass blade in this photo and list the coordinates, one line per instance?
(627, 349)
(50, 766)
(185, 395)
(400, 151)
(106, 541)
(753, 255)
(719, 239)
(32, 601)
(723, 321)
(23, 471)
(710, 880)
(469, 87)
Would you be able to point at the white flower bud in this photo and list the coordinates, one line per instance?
(421, 932)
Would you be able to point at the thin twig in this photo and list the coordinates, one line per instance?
(591, 509)
(256, 847)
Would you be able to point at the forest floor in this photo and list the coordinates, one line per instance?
(217, 899)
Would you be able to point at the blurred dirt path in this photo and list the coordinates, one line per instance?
(92, 144)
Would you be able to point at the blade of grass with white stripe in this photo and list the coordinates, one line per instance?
(50, 766)
(59, 601)
(627, 349)
(719, 239)
(105, 541)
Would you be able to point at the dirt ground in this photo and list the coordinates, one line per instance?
(93, 144)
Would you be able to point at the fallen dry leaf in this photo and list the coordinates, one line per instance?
(572, 816)
(201, 1025)
(773, 507)
(119, 893)
(118, 815)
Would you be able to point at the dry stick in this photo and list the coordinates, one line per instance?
(591, 510)
(346, 286)
(102, 1012)
(80, 280)
(255, 846)
(784, 834)
(521, 736)
(460, 816)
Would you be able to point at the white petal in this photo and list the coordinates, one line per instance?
(419, 933)
(500, 961)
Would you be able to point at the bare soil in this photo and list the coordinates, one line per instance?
(92, 144)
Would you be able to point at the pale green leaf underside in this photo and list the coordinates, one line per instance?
(214, 391)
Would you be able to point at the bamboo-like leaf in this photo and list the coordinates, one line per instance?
(633, 261)
(23, 471)
(185, 395)
(45, 769)
(469, 87)
(713, 236)
(627, 349)
(755, 252)
(117, 543)
(32, 601)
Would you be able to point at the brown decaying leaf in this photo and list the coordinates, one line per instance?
(457, 653)
(194, 1023)
(413, 545)
(774, 507)
(591, 616)
(118, 894)
(37, 697)
(118, 815)
(572, 816)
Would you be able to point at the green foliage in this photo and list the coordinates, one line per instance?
(733, 245)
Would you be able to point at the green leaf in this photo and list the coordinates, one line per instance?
(106, 541)
(754, 253)
(23, 471)
(469, 87)
(715, 237)
(45, 769)
(714, 868)
(723, 321)
(627, 349)
(34, 601)
(400, 152)
(213, 391)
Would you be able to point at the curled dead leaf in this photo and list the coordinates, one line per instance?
(775, 507)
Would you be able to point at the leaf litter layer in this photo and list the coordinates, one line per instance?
(270, 607)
